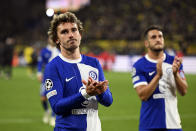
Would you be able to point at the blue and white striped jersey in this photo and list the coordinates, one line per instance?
(63, 83)
(160, 110)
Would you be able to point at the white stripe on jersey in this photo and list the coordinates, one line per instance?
(172, 115)
(140, 83)
(167, 86)
(85, 69)
(93, 121)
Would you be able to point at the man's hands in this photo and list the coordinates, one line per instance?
(94, 88)
(159, 67)
(176, 65)
(39, 77)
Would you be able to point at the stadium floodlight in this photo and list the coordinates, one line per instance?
(50, 12)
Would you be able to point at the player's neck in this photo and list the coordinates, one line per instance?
(155, 55)
(72, 55)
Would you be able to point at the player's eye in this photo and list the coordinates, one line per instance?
(154, 37)
(74, 29)
(160, 36)
(64, 31)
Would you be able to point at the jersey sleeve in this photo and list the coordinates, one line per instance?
(181, 72)
(54, 90)
(138, 77)
(106, 97)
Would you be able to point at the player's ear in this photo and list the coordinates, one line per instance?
(146, 43)
(58, 44)
(57, 41)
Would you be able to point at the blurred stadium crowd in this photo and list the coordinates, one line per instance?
(113, 26)
(124, 19)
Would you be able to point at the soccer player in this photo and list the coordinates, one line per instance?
(45, 56)
(156, 78)
(8, 52)
(75, 83)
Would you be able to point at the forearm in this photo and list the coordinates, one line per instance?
(105, 98)
(145, 92)
(65, 105)
(181, 84)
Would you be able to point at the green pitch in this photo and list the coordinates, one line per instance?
(20, 108)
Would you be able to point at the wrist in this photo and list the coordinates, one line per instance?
(85, 94)
(39, 74)
(158, 76)
(175, 74)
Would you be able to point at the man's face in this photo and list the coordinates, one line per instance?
(68, 36)
(155, 40)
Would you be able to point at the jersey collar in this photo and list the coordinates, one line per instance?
(152, 60)
(70, 61)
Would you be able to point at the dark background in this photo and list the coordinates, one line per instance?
(26, 20)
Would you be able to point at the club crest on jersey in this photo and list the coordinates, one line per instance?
(169, 70)
(48, 84)
(93, 75)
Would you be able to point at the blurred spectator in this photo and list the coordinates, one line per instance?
(107, 60)
(179, 53)
(1, 58)
(170, 50)
(183, 47)
(90, 53)
(21, 61)
(8, 51)
(126, 19)
(31, 60)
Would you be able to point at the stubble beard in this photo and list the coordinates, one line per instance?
(71, 48)
(154, 49)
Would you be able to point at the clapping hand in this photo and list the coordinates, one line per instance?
(176, 64)
(94, 88)
(159, 67)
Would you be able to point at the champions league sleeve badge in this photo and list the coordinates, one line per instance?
(48, 84)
